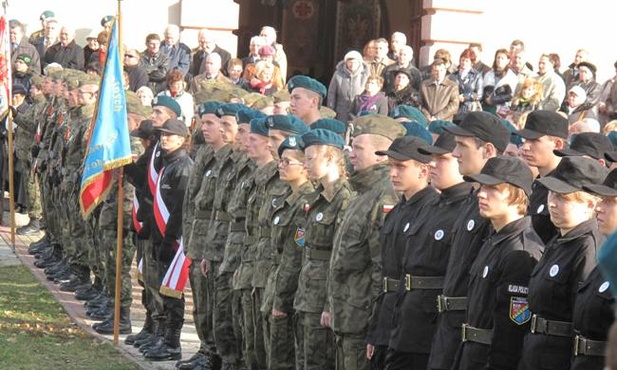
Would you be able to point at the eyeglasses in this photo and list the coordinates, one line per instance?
(129, 56)
(287, 162)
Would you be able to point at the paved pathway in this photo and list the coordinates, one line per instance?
(76, 309)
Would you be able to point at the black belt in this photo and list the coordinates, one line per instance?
(391, 285)
(540, 325)
(451, 303)
(203, 214)
(588, 347)
(237, 226)
(423, 282)
(222, 216)
(318, 254)
(471, 334)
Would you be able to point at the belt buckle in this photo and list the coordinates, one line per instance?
(464, 332)
(440, 307)
(385, 284)
(533, 323)
(407, 282)
(576, 343)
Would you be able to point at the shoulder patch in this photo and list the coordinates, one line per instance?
(299, 237)
(519, 310)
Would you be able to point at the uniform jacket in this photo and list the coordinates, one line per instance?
(440, 100)
(469, 232)
(27, 124)
(538, 210)
(157, 67)
(498, 287)
(355, 278)
(343, 88)
(392, 241)
(323, 218)
(173, 179)
(566, 263)
(428, 243)
(70, 56)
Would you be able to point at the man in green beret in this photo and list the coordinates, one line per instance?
(307, 95)
(281, 126)
(355, 266)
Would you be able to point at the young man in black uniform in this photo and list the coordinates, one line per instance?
(479, 136)
(497, 311)
(544, 132)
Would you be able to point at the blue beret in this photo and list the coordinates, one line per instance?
(407, 111)
(514, 137)
(209, 107)
(286, 122)
(246, 114)
(436, 127)
(417, 130)
(258, 126)
(166, 101)
(229, 109)
(331, 124)
(290, 142)
(307, 83)
(322, 137)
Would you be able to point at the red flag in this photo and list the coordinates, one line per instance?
(5, 66)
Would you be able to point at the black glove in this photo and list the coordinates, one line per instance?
(14, 111)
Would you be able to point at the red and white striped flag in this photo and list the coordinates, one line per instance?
(5, 66)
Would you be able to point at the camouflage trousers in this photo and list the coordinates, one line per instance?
(254, 353)
(108, 248)
(351, 352)
(33, 195)
(202, 289)
(78, 245)
(318, 343)
(281, 352)
(226, 318)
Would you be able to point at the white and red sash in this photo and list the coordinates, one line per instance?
(153, 175)
(178, 272)
(138, 226)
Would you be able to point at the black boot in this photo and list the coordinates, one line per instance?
(170, 350)
(124, 327)
(155, 339)
(145, 331)
(50, 258)
(198, 359)
(89, 292)
(39, 245)
(81, 278)
(32, 227)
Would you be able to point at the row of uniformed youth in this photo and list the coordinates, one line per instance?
(295, 265)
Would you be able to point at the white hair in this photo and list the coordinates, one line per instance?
(214, 57)
(590, 124)
(399, 35)
(172, 28)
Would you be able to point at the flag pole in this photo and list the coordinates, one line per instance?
(120, 204)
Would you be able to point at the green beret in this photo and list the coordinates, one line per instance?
(325, 112)
(515, 138)
(290, 142)
(377, 124)
(417, 130)
(436, 127)
(281, 96)
(287, 122)
(209, 107)
(322, 137)
(407, 111)
(229, 109)
(246, 114)
(331, 124)
(37, 81)
(258, 126)
(88, 79)
(308, 83)
(134, 106)
(263, 102)
(72, 80)
(169, 102)
(251, 98)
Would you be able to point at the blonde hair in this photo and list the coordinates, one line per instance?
(610, 126)
(516, 197)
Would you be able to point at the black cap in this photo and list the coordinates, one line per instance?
(175, 127)
(504, 169)
(608, 187)
(591, 144)
(544, 122)
(445, 143)
(406, 148)
(145, 129)
(484, 126)
(573, 173)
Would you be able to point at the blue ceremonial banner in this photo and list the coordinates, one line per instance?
(109, 144)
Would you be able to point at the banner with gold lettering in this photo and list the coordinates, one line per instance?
(109, 143)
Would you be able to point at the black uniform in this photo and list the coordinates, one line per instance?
(497, 304)
(593, 316)
(470, 230)
(538, 210)
(567, 261)
(428, 244)
(392, 250)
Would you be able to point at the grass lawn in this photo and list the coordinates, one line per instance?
(36, 332)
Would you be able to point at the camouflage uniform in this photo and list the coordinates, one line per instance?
(27, 127)
(195, 223)
(355, 267)
(311, 298)
(289, 224)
